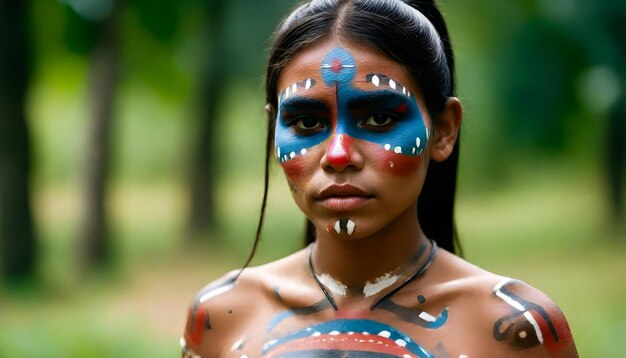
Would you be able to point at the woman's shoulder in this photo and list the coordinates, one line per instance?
(224, 307)
(510, 315)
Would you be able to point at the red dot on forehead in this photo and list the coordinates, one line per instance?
(336, 65)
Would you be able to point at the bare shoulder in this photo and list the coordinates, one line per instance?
(223, 308)
(510, 316)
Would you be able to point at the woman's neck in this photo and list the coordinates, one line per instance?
(360, 263)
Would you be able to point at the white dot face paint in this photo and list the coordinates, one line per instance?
(376, 80)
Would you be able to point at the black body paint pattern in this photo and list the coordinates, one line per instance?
(527, 324)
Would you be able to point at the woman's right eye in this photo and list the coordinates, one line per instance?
(307, 124)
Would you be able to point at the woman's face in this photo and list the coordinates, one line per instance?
(352, 137)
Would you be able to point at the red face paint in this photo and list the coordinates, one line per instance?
(338, 151)
(294, 168)
(393, 163)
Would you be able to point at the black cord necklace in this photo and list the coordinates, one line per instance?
(329, 297)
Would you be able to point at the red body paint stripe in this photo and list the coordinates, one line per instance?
(343, 342)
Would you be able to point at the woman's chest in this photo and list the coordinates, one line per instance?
(319, 331)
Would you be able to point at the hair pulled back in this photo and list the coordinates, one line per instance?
(412, 33)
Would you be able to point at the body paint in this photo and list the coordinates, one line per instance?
(333, 285)
(372, 288)
(529, 324)
(415, 316)
(398, 148)
(237, 346)
(298, 311)
(200, 319)
(348, 337)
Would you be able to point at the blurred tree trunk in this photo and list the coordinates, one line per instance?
(203, 169)
(104, 76)
(17, 234)
(616, 157)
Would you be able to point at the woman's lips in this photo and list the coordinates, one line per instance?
(344, 203)
(343, 197)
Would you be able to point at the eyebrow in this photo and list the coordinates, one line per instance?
(303, 104)
(377, 98)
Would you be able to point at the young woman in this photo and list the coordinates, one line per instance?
(364, 122)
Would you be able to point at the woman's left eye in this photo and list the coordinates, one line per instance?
(377, 121)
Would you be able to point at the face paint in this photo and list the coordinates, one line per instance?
(342, 225)
(387, 115)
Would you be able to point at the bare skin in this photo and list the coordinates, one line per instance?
(369, 245)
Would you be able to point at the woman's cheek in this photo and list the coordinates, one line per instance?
(294, 168)
(393, 163)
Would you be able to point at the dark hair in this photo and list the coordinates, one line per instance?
(412, 33)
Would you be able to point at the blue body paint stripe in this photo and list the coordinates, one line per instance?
(351, 325)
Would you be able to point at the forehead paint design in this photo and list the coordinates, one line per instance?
(382, 80)
(295, 87)
(408, 136)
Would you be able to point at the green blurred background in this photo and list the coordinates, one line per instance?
(540, 189)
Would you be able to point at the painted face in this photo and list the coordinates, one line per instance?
(351, 134)
(372, 107)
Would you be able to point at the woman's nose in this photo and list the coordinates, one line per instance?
(340, 153)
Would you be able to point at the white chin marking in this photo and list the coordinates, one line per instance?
(350, 226)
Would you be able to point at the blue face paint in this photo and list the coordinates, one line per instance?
(304, 122)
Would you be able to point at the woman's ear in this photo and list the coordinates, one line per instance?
(446, 130)
(269, 109)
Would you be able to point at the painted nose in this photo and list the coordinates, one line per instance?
(339, 153)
